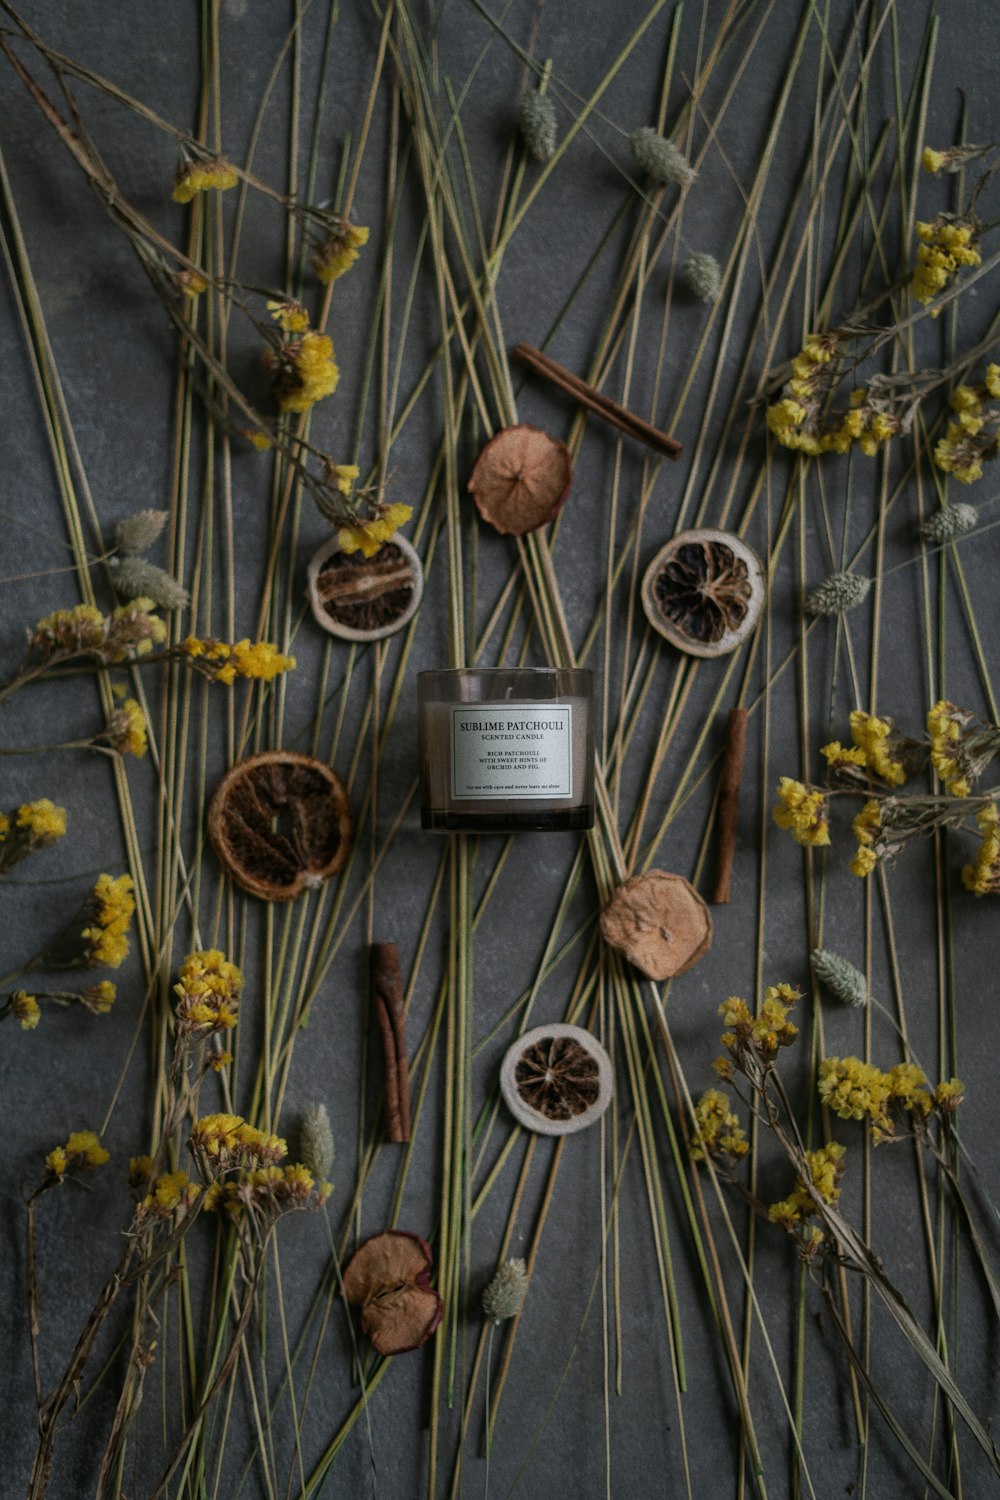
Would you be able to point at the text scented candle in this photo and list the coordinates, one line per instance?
(507, 749)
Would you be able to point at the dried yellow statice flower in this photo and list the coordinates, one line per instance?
(172, 1193)
(266, 1192)
(222, 662)
(82, 1150)
(210, 174)
(718, 1132)
(856, 1090)
(227, 1141)
(339, 250)
(127, 730)
(100, 997)
(748, 1037)
(26, 1009)
(30, 827)
(881, 746)
(947, 242)
(368, 537)
(867, 828)
(825, 1167)
(208, 994)
(971, 435)
(290, 316)
(303, 371)
(129, 631)
(803, 812)
(106, 935)
(982, 876)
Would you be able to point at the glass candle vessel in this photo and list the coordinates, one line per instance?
(507, 749)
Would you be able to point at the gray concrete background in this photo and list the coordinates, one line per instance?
(116, 357)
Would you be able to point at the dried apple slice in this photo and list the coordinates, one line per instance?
(388, 1278)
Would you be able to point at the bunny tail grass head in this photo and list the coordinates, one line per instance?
(838, 593)
(842, 979)
(536, 120)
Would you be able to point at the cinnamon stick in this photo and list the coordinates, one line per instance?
(729, 801)
(387, 990)
(595, 400)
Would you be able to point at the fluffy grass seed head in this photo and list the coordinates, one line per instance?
(536, 120)
(702, 276)
(947, 524)
(504, 1296)
(136, 578)
(138, 532)
(838, 593)
(841, 978)
(660, 159)
(316, 1149)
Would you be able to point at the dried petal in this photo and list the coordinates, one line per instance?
(280, 823)
(387, 1277)
(520, 479)
(659, 922)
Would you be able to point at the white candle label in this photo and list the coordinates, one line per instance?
(512, 751)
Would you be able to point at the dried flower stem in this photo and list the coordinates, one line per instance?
(595, 400)
(390, 1012)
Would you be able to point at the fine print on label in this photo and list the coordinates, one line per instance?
(512, 751)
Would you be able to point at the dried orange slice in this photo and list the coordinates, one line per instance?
(280, 823)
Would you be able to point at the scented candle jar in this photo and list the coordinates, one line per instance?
(507, 749)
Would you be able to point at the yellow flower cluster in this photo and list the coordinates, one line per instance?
(127, 730)
(857, 1090)
(83, 1149)
(932, 161)
(26, 1009)
(971, 435)
(43, 821)
(945, 723)
(270, 1190)
(343, 476)
(717, 1129)
(339, 251)
(304, 371)
(228, 1141)
(796, 419)
(290, 316)
(100, 997)
(172, 1191)
(106, 935)
(876, 739)
(368, 537)
(867, 828)
(982, 876)
(208, 994)
(130, 630)
(223, 662)
(803, 812)
(946, 243)
(763, 1034)
(212, 173)
(825, 1168)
